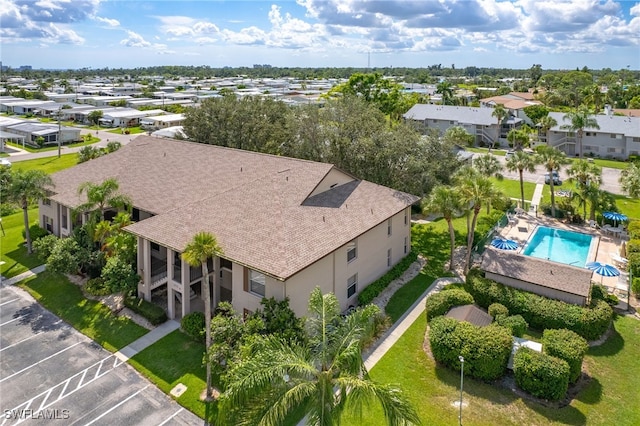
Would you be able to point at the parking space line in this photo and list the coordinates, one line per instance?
(12, 320)
(36, 363)
(172, 416)
(9, 301)
(46, 403)
(20, 341)
(116, 406)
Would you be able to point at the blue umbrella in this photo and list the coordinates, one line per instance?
(503, 244)
(615, 216)
(603, 269)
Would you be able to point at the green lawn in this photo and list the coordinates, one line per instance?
(48, 164)
(132, 130)
(90, 317)
(55, 147)
(14, 253)
(511, 188)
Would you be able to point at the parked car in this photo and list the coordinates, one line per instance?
(556, 178)
(509, 154)
(5, 162)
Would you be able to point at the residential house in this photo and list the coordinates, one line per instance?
(285, 225)
(514, 102)
(30, 131)
(617, 137)
(156, 122)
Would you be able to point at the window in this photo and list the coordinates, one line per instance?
(48, 223)
(352, 285)
(388, 227)
(226, 263)
(405, 245)
(613, 150)
(64, 220)
(154, 246)
(388, 257)
(46, 202)
(257, 283)
(352, 251)
(406, 216)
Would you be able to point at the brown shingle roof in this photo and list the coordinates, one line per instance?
(566, 278)
(257, 205)
(470, 313)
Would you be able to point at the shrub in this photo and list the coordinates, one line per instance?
(6, 209)
(634, 229)
(497, 310)
(633, 246)
(64, 257)
(566, 345)
(540, 312)
(96, 287)
(118, 275)
(485, 350)
(635, 286)
(153, 313)
(485, 224)
(439, 303)
(375, 288)
(44, 246)
(279, 318)
(35, 232)
(541, 375)
(193, 325)
(515, 323)
(598, 292)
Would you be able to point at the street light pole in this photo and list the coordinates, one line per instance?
(461, 358)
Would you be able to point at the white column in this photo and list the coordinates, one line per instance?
(186, 288)
(216, 282)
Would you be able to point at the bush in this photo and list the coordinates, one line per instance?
(193, 325)
(541, 375)
(485, 350)
(634, 229)
(633, 246)
(540, 312)
(153, 313)
(44, 246)
(64, 257)
(635, 286)
(439, 303)
(118, 275)
(498, 310)
(35, 232)
(566, 345)
(375, 288)
(515, 323)
(96, 287)
(598, 292)
(6, 209)
(485, 224)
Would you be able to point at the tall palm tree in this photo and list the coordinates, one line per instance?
(488, 165)
(203, 247)
(324, 377)
(522, 161)
(585, 173)
(447, 201)
(579, 120)
(594, 95)
(446, 90)
(545, 124)
(26, 187)
(475, 191)
(500, 113)
(552, 160)
(101, 196)
(630, 180)
(518, 137)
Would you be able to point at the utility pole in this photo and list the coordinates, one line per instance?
(59, 130)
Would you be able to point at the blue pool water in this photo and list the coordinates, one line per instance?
(559, 245)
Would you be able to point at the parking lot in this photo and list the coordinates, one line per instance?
(49, 372)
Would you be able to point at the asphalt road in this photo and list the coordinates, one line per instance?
(52, 374)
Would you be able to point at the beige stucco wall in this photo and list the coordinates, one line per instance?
(533, 288)
(334, 177)
(52, 213)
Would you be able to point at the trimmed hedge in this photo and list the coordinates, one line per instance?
(633, 228)
(541, 375)
(439, 303)
(193, 325)
(515, 323)
(540, 312)
(485, 350)
(566, 345)
(154, 313)
(375, 288)
(498, 310)
(35, 232)
(96, 287)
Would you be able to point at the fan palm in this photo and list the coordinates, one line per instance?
(203, 247)
(579, 120)
(324, 377)
(552, 160)
(445, 200)
(26, 187)
(488, 165)
(585, 173)
(500, 113)
(446, 90)
(545, 124)
(522, 161)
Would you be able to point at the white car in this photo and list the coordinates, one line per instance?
(5, 162)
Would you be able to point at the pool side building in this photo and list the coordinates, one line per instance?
(554, 280)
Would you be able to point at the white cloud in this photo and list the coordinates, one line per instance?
(134, 40)
(108, 21)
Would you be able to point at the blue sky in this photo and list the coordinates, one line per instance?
(321, 33)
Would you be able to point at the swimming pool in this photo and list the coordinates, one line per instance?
(559, 245)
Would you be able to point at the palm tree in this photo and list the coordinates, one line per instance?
(579, 119)
(203, 247)
(518, 137)
(101, 196)
(445, 200)
(500, 113)
(593, 94)
(585, 173)
(475, 191)
(446, 90)
(488, 165)
(26, 187)
(630, 180)
(323, 377)
(545, 124)
(552, 160)
(522, 161)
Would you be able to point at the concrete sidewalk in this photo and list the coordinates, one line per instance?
(23, 276)
(147, 340)
(537, 195)
(394, 333)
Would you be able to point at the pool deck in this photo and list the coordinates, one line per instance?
(525, 224)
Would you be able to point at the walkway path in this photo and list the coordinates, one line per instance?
(23, 276)
(537, 195)
(397, 330)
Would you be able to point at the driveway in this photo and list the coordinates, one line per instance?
(49, 372)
